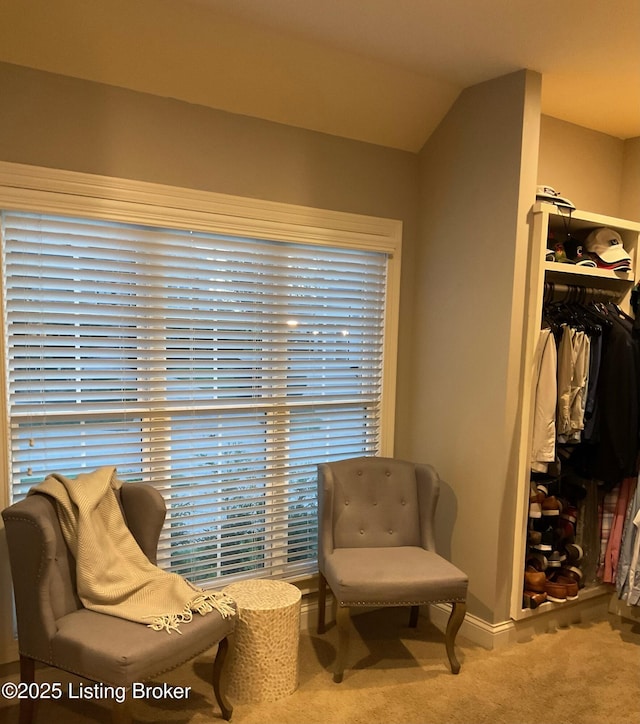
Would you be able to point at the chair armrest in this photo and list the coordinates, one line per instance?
(41, 569)
(325, 514)
(144, 511)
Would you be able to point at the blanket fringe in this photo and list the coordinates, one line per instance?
(202, 604)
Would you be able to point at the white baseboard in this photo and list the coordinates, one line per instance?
(477, 630)
(548, 618)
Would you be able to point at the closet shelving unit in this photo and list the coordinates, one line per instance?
(617, 286)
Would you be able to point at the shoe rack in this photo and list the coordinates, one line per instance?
(546, 278)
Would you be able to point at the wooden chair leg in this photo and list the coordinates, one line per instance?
(343, 619)
(453, 625)
(218, 666)
(413, 616)
(322, 602)
(27, 676)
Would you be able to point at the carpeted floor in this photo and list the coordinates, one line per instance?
(584, 674)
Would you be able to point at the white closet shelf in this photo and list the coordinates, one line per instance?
(585, 594)
(580, 220)
(587, 274)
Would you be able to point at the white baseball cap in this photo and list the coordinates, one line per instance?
(548, 193)
(607, 245)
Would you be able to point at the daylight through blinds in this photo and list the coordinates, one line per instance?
(219, 369)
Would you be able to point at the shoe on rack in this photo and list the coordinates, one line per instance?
(546, 540)
(567, 581)
(535, 500)
(540, 523)
(534, 580)
(574, 552)
(556, 559)
(565, 530)
(573, 572)
(556, 592)
(535, 510)
(570, 585)
(537, 560)
(537, 493)
(569, 512)
(534, 537)
(551, 506)
(532, 599)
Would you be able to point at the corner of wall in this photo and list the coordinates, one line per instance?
(478, 176)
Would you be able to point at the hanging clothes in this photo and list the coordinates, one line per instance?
(611, 452)
(543, 446)
(628, 571)
(573, 373)
(597, 429)
(614, 507)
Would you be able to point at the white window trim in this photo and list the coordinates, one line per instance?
(32, 188)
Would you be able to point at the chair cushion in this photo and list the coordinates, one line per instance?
(119, 652)
(403, 575)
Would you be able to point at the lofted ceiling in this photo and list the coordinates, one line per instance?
(379, 71)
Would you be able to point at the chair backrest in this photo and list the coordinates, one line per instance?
(43, 568)
(376, 502)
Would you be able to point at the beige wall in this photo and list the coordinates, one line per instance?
(477, 184)
(585, 166)
(61, 122)
(630, 199)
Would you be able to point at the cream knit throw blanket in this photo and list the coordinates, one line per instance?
(113, 574)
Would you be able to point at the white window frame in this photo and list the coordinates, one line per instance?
(36, 189)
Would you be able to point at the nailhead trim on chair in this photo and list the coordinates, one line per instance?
(41, 567)
(71, 670)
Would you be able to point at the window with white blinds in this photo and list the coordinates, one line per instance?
(219, 368)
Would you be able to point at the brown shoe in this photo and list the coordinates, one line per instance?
(534, 537)
(538, 561)
(574, 552)
(551, 506)
(534, 580)
(573, 573)
(556, 592)
(532, 599)
(570, 585)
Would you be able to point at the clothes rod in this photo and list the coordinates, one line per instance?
(575, 293)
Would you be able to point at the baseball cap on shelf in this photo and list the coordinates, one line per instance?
(548, 193)
(606, 245)
(575, 253)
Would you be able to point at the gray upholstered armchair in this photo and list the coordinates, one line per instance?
(376, 545)
(54, 627)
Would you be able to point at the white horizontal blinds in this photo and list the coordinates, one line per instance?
(222, 370)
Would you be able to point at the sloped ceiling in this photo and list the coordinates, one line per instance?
(380, 71)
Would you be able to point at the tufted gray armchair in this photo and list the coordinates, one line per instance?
(54, 627)
(376, 545)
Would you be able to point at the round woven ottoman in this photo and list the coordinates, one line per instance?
(263, 659)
